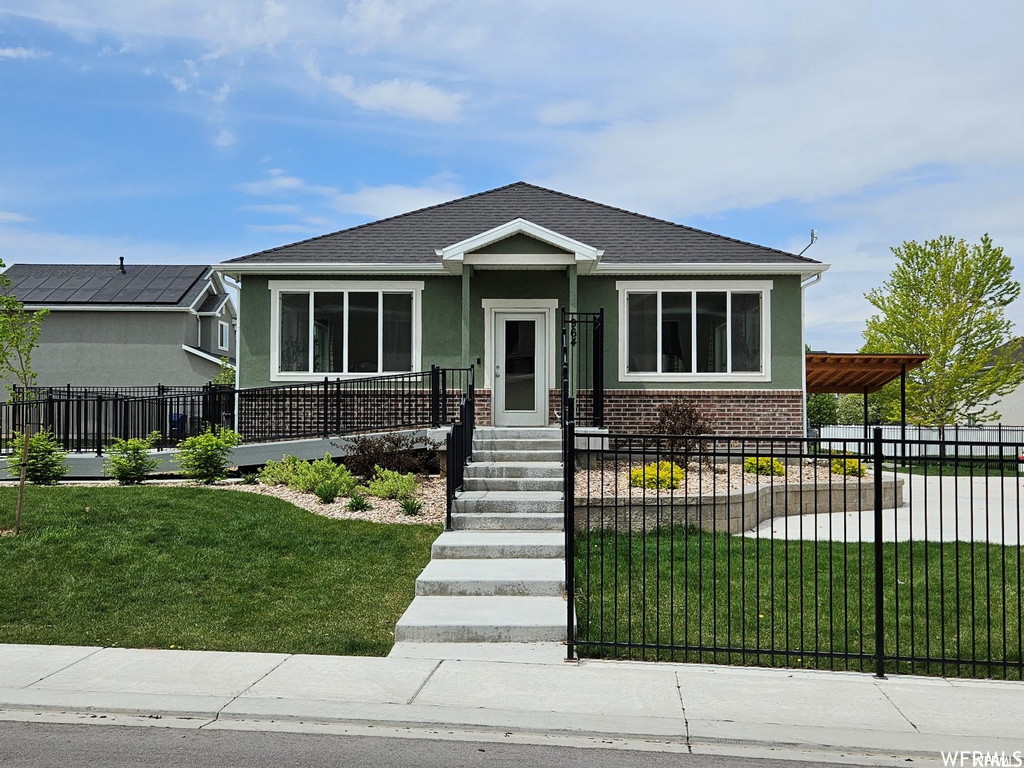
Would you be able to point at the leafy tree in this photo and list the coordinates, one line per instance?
(850, 410)
(19, 335)
(226, 374)
(822, 408)
(947, 299)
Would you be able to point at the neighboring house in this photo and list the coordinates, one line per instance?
(1010, 406)
(127, 326)
(481, 280)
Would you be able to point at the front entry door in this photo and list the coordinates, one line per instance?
(520, 388)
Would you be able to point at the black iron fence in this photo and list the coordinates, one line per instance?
(70, 391)
(971, 440)
(89, 419)
(883, 558)
(583, 352)
(459, 447)
(87, 422)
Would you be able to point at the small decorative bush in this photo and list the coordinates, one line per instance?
(411, 506)
(848, 467)
(327, 490)
(763, 465)
(205, 457)
(391, 451)
(388, 484)
(129, 461)
(663, 474)
(280, 472)
(307, 477)
(46, 459)
(250, 478)
(357, 502)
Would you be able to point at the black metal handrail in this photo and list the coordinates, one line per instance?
(459, 447)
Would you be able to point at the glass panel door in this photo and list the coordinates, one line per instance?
(520, 369)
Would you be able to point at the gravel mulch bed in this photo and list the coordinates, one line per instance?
(430, 490)
(704, 479)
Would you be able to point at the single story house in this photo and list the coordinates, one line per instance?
(127, 325)
(480, 281)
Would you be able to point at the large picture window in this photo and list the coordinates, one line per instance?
(345, 329)
(689, 330)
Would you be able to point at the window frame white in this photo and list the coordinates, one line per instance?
(223, 336)
(311, 287)
(626, 287)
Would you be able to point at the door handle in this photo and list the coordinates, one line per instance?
(497, 371)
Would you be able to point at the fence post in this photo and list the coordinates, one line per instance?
(435, 394)
(326, 400)
(99, 424)
(598, 381)
(569, 501)
(879, 595)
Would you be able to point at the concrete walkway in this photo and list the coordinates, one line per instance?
(935, 509)
(674, 707)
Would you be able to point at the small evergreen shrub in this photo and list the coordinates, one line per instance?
(327, 490)
(357, 502)
(763, 465)
(129, 461)
(663, 475)
(205, 457)
(46, 460)
(848, 467)
(280, 472)
(307, 477)
(411, 506)
(388, 484)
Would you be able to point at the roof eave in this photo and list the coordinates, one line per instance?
(803, 269)
(279, 268)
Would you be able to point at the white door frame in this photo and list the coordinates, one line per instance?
(547, 307)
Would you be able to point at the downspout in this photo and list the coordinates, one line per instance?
(816, 278)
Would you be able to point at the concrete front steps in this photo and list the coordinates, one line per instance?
(495, 586)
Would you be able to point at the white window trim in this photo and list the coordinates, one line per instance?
(548, 306)
(277, 287)
(764, 287)
(223, 334)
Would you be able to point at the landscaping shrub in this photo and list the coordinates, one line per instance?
(327, 490)
(250, 478)
(46, 459)
(280, 472)
(411, 506)
(205, 457)
(388, 484)
(357, 502)
(663, 474)
(308, 476)
(848, 467)
(129, 461)
(392, 451)
(681, 417)
(763, 465)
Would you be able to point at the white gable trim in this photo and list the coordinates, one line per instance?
(583, 255)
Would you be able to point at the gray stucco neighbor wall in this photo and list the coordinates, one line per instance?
(105, 349)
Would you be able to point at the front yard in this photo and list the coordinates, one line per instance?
(197, 568)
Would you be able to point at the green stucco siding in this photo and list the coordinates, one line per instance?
(442, 322)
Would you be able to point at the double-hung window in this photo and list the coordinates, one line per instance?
(694, 330)
(344, 328)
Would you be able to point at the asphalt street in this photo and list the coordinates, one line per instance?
(46, 745)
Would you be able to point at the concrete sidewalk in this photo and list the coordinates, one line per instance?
(727, 710)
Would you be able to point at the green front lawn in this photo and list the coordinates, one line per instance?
(671, 591)
(158, 567)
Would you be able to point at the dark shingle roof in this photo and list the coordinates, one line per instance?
(625, 237)
(212, 302)
(171, 285)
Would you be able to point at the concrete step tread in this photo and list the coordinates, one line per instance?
(513, 484)
(514, 464)
(525, 653)
(484, 611)
(510, 496)
(504, 521)
(514, 569)
(477, 544)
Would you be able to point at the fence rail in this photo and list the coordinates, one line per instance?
(88, 419)
(973, 440)
(878, 557)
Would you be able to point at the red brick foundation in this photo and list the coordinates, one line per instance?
(731, 411)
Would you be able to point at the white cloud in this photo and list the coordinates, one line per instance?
(566, 112)
(297, 228)
(283, 208)
(24, 246)
(9, 217)
(391, 199)
(22, 53)
(224, 139)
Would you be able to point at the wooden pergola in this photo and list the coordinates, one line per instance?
(856, 373)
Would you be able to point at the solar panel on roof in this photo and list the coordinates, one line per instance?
(81, 296)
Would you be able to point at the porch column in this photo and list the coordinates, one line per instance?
(467, 271)
(571, 272)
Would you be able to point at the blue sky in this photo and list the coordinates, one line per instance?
(200, 130)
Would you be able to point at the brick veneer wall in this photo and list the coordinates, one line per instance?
(732, 411)
(483, 407)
